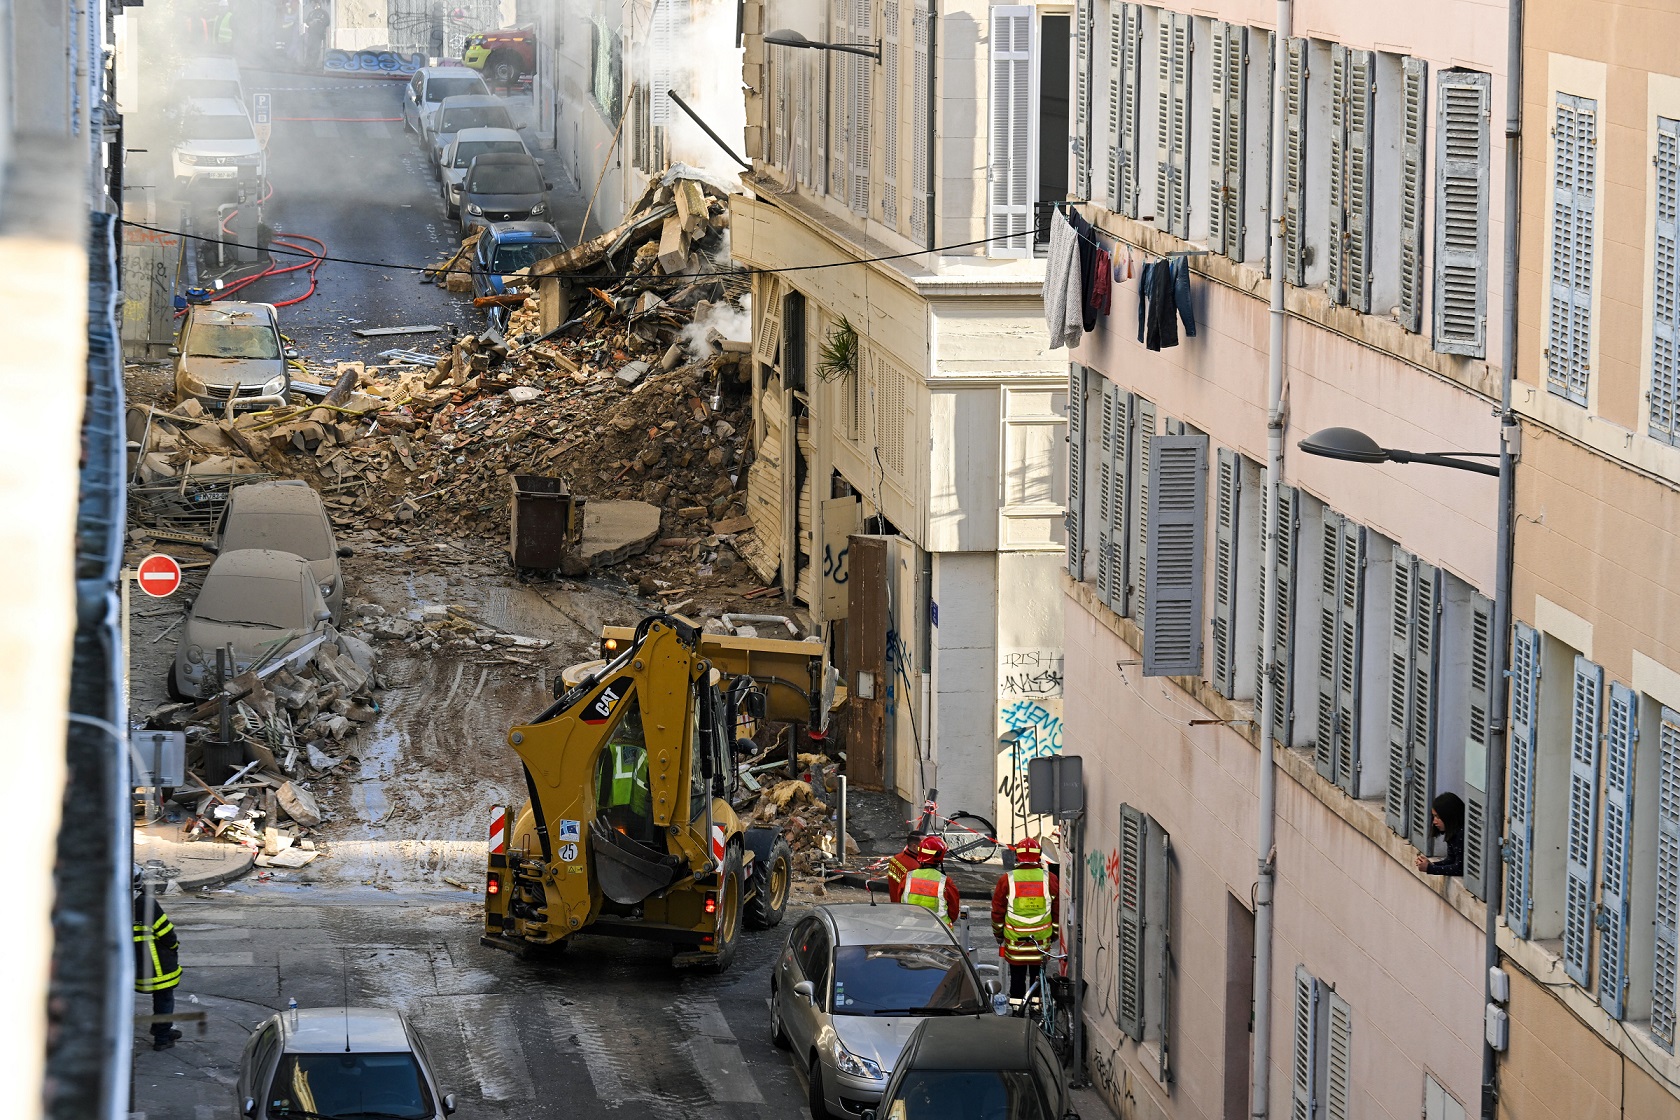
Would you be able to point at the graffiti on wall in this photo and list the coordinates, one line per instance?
(1032, 729)
(1109, 1075)
(1035, 673)
(378, 64)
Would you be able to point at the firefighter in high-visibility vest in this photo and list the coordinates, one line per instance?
(899, 868)
(1025, 915)
(928, 886)
(157, 963)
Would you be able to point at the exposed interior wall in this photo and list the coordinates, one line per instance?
(965, 585)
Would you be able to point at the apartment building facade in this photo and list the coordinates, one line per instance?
(909, 415)
(1593, 830)
(1382, 598)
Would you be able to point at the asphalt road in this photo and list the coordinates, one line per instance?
(604, 1029)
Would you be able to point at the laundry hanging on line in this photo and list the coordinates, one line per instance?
(1064, 284)
(1164, 302)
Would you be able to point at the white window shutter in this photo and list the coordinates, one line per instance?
(1403, 610)
(920, 157)
(1083, 57)
(862, 80)
(1117, 43)
(1415, 99)
(1665, 971)
(839, 102)
(1172, 637)
(1426, 630)
(670, 22)
(1519, 818)
(1336, 241)
(781, 135)
(1133, 837)
(822, 138)
(1225, 186)
(889, 112)
(1295, 162)
(1569, 324)
(1615, 869)
(1664, 408)
(799, 66)
(1227, 507)
(1010, 165)
(1461, 212)
(1172, 203)
(1126, 64)
(1338, 1058)
(1138, 519)
(767, 340)
(1586, 710)
(1304, 1047)
(1075, 518)
(1476, 851)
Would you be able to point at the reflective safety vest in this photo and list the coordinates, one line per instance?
(156, 966)
(898, 869)
(630, 778)
(1027, 927)
(926, 887)
(224, 28)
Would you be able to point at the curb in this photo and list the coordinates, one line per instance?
(230, 871)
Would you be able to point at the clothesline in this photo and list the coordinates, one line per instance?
(1081, 275)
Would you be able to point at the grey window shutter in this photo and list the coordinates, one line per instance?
(1083, 57)
(1461, 212)
(1172, 638)
(889, 111)
(1112, 458)
(1476, 852)
(1075, 519)
(1304, 1048)
(1172, 203)
(799, 64)
(1356, 199)
(1615, 870)
(920, 157)
(1138, 515)
(1126, 63)
(1279, 599)
(1009, 190)
(1295, 162)
(1665, 971)
(821, 139)
(1335, 243)
(1664, 410)
(1330, 551)
(1259, 66)
(1227, 503)
(862, 79)
(1519, 817)
(1426, 630)
(1341, 596)
(1586, 710)
(1225, 192)
(1338, 1058)
(1404, 610)
(1569, 322)
(1415, 109)
(1133, 836)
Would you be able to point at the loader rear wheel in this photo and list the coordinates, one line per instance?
(727, 932)
(772, 879)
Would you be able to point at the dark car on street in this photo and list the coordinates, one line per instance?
(976, 1067)
(502, 187)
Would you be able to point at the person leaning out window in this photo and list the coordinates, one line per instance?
(1448, 821)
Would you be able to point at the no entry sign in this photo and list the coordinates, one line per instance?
(159, 575)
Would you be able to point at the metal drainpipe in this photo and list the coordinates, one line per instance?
(1265, 842)
(932, 122)
(1498, 726)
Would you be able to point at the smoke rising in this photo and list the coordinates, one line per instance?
(732, 321)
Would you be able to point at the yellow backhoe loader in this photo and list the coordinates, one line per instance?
(628, 829)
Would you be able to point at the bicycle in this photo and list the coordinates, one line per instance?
(968, 837)
(1054, 1016)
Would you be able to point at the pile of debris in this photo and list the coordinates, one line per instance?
(801, 806)
(297, 720)
(643, 394)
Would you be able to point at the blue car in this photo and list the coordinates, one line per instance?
(503, 249)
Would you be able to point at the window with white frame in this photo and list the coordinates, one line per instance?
(1029, 123)
(1663, 397)
(1438, 1104)
(1321, 1080)
(1574, 214)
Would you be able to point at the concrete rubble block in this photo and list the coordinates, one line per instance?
(523, 394)
(299, 804)
(275, 841)
(673, 246)
(615, 531)
(520, 641)
(223, 464)
(338, 727)
(294, 694)
(359, 652)
(632, 372)
(191, 408)
(320, 759)
(290, 859)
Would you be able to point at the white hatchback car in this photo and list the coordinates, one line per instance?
(217, 144)
(338, 1062)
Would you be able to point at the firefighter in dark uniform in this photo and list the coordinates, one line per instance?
(157, 964)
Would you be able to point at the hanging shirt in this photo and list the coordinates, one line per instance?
(1087, 267)
(1063, 285)
(1181, 295)
(1102, 290)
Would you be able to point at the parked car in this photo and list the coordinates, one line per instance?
(261, 602)
(230, 354)
(216, 144)
(338, 1062)
(466, 110)
(505, 248)
(207, 77)
(468, 145)
(284, 516)
(852, 982)
(504, 187)
(427, 89)
(504, 55)
(996, 1067)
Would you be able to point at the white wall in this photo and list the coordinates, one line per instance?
(965, 585)
(1029, 680)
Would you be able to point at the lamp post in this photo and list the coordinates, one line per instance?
(795, 39)
(1353, 446)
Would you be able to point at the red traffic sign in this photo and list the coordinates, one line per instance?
(159, 575)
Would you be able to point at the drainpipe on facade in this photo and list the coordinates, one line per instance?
(932, 122)
(1498, 725)
(1265, 845)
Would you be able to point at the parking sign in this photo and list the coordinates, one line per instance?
(262, 119)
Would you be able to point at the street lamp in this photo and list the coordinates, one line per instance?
(795, 39)
(1351, 445)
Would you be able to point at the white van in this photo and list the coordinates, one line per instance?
(216, 144)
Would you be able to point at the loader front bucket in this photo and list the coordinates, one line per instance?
(626, 870)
